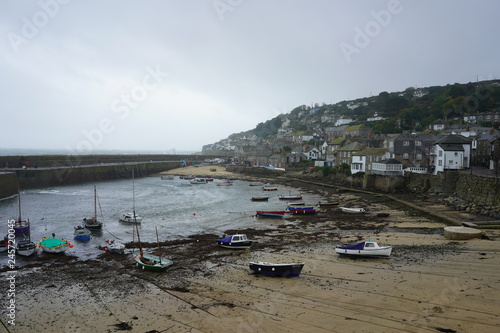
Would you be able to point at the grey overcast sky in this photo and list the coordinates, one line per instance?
(164, 74)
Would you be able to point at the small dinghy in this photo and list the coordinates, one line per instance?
(81, 233)
(54, 245)
(25, 247)
(239, 242)
(353, 210)
(114, 247)
(274, 214)
(365, 249)
(281, 270)
(260, 198)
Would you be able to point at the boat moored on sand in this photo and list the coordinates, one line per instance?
(272, 269)
(365, 249)
(353, 210)
(238, 241)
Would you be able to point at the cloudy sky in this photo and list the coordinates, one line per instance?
(165, 74)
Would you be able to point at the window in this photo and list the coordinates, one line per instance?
(406, 143)
(406, 156)
(418, 143)
(440, 153)
(418, 157)
(440, 163)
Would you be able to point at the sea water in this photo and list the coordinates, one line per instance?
(175, 211)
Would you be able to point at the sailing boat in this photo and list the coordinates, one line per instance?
(24, 247)
(21, 227)
(92, 223)
(131, 217)
(148, 261)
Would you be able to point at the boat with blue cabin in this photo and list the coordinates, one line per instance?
(365, 249)
(238, 241)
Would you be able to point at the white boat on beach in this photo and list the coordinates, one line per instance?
(365, 249)
(353, 210)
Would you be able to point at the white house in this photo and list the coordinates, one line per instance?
(451, 152)
(313, 154)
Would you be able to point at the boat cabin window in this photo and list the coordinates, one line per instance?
(236, 238)
(369, 245)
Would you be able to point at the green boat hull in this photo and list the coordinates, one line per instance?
(151, 262)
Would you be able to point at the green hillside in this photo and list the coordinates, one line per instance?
(411, 109)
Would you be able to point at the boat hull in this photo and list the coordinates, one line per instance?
(280, 270)
(290, 197)
(21, 227)
(25, 248)
(151, 262)
(302, 210)
(353, 210)
(54, 245)
(82, 235)
(380, 252)
(278, 214)
(129, 218)
(235, 245)
(92, 224)
(260, 199)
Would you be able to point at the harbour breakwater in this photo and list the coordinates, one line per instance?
(36, 171)
(57, 176)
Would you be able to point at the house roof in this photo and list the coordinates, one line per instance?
(454, 139)
(371, 151)
(452, 147)
(355, 127)
(352, 146)
(389, 161)
(338, 141)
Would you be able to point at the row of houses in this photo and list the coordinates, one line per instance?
(388, 154)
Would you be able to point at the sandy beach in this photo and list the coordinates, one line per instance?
(429, 284)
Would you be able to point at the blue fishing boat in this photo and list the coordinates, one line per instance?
(81, 233)
(302, 210)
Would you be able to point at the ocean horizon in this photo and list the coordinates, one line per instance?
(45, 151)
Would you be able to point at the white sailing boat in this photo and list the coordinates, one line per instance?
(131, 217)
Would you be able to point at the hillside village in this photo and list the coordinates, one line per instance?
(425, 130)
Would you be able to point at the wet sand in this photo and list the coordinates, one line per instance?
(429, 284)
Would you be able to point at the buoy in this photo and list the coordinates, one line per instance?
(105, 249)
(71, 245)
(194, 214)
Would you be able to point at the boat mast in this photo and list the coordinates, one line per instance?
(133, 196)
(95, 204)
(19, 203)
(158, 241)
(139, 240)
